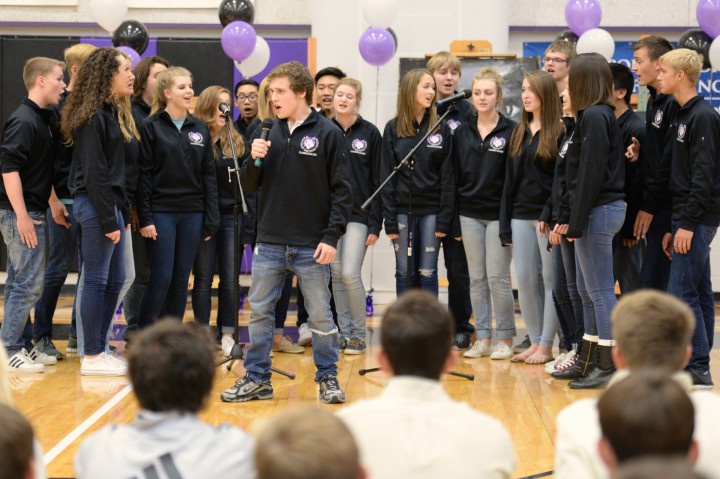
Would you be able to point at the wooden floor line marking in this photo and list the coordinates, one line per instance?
(86, 424)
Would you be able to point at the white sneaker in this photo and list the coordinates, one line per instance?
(479, 350)
(42, 358)
(501, 351)
(21, 362)
(550, 366)
(562, 362)
(102, 365)
(117, 359)
(304, 335)
(227, 343)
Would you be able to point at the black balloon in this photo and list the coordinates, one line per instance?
(233, 10)
(392, 32)
(697, 40)
(568, 36)
(133, 34)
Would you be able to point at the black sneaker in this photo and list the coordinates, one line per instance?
(72, 344)
(462, 341)
(520, 347)
(330, 392)
(355, 346)
(246, 389)
(45, 345)
(342, 343)
(701, 380)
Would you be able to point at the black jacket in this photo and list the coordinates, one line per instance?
(528, 184)
(433, 182)
(458, 115)
(558, 197)
(140, 112)
(661, 111)
(98, 165)
(305, 195)
(480, 165)
(363, 142)
(632, 126)
(177, 170)
(28, 148)
(227, 187)
(695, 174)
(63, 153)
(595, 172)
(245, 129)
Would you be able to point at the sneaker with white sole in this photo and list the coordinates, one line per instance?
(355, 346)
(479, 350)
(21, 362)
(226, 344)
(246, 389)
(45, 345)
(39, 357)
(568, 361)
(304, 335)
(102, 365)
(330, 391)
(550, 366)
(285, 345)
(501, 351)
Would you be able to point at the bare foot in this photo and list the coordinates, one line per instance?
(542, 355)
(522, 357)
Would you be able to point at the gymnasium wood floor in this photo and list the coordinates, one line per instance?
(65, 407)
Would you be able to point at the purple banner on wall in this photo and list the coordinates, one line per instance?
(282, 50)
(102, 42)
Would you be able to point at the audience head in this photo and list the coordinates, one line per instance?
(306, 443)
(16, 445)
(654, 467)
(207, 109)
(146, 73)
(291, 88)
(44, 80)
(416, 96)
(487, 90)
(416, 337)
(590, 82)
(326, 80)
(246, 98)
(171, 88)
(446, 70)
(558, 57)
(172, 366)
(348, 94)
(646, 414)
(679, 69)
(623, 83)
(648, 51)
(75, 56)
(665, 345)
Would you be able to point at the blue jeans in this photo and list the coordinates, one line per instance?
(24, 282)
(348, 288)
(62, 256)
(627, 264)
(489, 267)
(594, 267)
(656, 265)
(566, 292)
(270, 264)
(134, 296)
(426, 250)
(171, 258)
(219, 249)
(690, 281)
(533, 265)
(103, 275)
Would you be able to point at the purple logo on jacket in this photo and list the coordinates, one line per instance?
(359, 146)
(453, 124)
(497, 143)
(309, 145)
(682, 129)
(195, 138)
(435, 141)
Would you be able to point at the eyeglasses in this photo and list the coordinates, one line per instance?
(252, 97)
(554, 60)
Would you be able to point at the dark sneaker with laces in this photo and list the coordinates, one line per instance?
(246, 389)
(45, 345)
(330, 392)
(72, 344)
(342, 343)
(701, 380)
(521, 347)
(355, 346)
(462, 342)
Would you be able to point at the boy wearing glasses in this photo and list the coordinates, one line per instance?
(246, 100)
(557, 62)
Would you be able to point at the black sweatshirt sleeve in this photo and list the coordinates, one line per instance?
(90, 151)
(211, 221)
(388, 192)
(249, 226)
(341, 199)
(703, 151)
(375, 215)
(17, 143)
(506, 204)
(447, 187)
(145, 168)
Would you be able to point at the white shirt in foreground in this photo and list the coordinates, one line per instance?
(415, 430)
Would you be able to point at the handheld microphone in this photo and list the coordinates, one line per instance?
(225, 109)
(454, 98)
(266, 126)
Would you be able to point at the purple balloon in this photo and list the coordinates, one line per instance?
(377, 46)
(582, 15)
(134, 56)
(238, 40)
(708, 17)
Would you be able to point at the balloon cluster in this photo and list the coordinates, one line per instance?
(378, 43)
(249, 51)
(583, 17)
(129, 36)
(704, 40)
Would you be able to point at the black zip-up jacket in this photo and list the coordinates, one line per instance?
(140, 111)
(364, 143)
(695, 178)
(305, 197)
(480, 165)
(28, 148)
(63, 153)
(227, 186)
(558, 196)
(528, 184)
(246, 129)
(98, 165)
(132, 152)
(433, 182)
(458, 114)
(177, 170)
(595, 171)
(632, 126)
(661, 111)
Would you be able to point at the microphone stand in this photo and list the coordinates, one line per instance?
(236, 353)
(410, 163)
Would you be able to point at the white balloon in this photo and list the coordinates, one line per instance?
(109, 14)
(596, 40)
(380, 13)
(715, 54)
(257, 61)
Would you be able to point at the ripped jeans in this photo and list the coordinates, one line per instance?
(426, 250)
